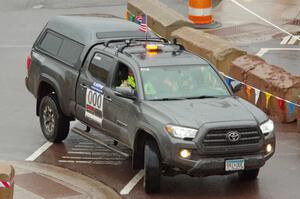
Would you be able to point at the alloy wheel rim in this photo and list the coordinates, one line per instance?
(49, 122)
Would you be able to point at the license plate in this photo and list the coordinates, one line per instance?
(234, 165)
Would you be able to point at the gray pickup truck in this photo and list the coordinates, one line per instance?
(171, 108)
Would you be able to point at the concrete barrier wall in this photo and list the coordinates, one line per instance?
(298, 116)
(256, 72)
(161, 19)
(218, 51)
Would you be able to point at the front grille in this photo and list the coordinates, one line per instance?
(216, 141)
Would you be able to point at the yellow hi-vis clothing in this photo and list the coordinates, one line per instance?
(129, 82)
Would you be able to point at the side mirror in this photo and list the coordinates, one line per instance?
(126, 92)
(237, 87)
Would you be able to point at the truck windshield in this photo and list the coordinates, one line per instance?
(182, 82)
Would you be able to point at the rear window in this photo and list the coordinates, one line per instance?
(62, 48)
(70, 51)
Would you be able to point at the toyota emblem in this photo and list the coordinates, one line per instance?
(233, 136)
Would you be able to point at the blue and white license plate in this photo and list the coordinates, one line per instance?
(234, 165)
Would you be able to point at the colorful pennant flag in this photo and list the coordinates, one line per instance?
(228, 81)
(131, 18)
(257, 93)
(292, 108)
(268, 96)
(280, 104)
(248, 91)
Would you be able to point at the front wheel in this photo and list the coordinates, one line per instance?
(249, 174)
(152, 167)
(55, 125)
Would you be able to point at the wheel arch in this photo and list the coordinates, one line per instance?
(138, 147)
(46, 87)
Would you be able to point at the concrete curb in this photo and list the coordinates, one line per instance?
(92, 188)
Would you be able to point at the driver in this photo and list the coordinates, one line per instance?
(130, 81)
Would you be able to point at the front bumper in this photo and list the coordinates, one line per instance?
(205, 165)
(216, 166)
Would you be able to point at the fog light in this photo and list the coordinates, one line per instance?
(185, 153)
(269, 148)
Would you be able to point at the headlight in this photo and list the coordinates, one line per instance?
(267, 127)
(181, 132)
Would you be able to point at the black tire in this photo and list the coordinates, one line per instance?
(249, 174)
(152, 167)
(54, 124)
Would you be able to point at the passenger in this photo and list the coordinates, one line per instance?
(149, 89)
(170, 84)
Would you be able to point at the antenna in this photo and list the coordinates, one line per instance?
(146, 27)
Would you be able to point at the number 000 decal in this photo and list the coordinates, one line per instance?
(94, 105)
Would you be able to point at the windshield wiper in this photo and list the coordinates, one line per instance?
(168, 99)
(202, 97)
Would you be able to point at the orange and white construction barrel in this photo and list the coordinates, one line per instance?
(200, 13)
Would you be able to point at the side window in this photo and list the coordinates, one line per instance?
(51, 43)
(124, 77)
(100, 66)
(63, 48)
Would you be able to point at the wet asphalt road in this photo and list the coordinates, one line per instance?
(22, 20)
(278, 179)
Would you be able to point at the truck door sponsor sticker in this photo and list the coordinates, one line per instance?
(94, 105)
(97, 87)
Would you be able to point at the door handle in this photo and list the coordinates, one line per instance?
(83, 85)
(107, 98)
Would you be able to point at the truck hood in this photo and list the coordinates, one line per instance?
(196, 112)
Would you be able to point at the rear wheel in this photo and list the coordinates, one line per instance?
(55, 125)
(249, 174)
(152, 167)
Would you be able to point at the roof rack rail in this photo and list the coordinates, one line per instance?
(128, 41)
(166, 42)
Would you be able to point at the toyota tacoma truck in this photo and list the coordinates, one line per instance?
(171, 108)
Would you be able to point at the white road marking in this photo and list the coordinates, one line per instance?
(262, 52)
(94, 153)
(91, 150)
(38, 152)
(131, 184)
(39, 6)
(289, 40)
(285, 40)
(265, 50)
(265, 20)
(88, 146)
(92, 158)
(293, 40)
(92, 162)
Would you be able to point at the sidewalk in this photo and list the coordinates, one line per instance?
(37, 181)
